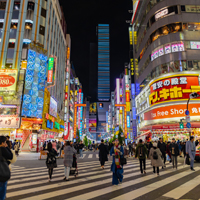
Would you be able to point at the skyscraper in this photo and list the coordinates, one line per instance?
(103, 62)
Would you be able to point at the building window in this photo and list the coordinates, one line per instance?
(31, 6)
(16, 6)
(2, 5)
(43, 12)
(28, 26)
(42, 30)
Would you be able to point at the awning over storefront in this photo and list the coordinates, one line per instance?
(168, 126)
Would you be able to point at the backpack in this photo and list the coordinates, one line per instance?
(4, 169)
(155, 155)
(141, 151)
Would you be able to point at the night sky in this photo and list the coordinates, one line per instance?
(82, 17)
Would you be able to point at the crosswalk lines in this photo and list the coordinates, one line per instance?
(95, 183)
(90, 156)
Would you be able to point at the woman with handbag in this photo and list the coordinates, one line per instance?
(68, 158)
(5, 156)
(51, 160)
(117, 152)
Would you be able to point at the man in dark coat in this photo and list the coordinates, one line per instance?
(103, 153)
(174, 152)
(163, 149)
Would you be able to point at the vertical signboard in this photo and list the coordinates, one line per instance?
(50, 70)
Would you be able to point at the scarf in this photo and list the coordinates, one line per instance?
(117, 156)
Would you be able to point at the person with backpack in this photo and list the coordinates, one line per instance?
(155, 156)
(141, 153)
(51, 159)
(5, 156)
(174, 152)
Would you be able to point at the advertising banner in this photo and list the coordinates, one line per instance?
(172, 111)
(8, 80)
(93, 108)
(173, 88)
(53, 107)
(33, 99)
(9, 122)
(92, 123)
(50, 70)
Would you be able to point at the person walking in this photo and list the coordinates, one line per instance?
(174, 152)
(16, 148)
(191, 151)
(155, 156)
(168, 152)
(58, 147)
(116, 167)
(81, 145)
(162, 147)
(51, 160)
(7, 155)
(103, 153)
(68, 158)
(14, 159)
(141, 154)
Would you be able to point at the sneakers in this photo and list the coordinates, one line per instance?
(192, 169)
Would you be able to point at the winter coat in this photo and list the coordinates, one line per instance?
(176, 149)
(162, 147)
(112, 153)
(159, 161)
(141, 150)
(68, 157)
(103, 152)
(16, 147)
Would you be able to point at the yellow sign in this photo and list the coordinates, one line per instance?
(66, 88)
(136, 67)
(8, 79)
(131, 36)
(24, 64)
(128, 106)
(68, 53)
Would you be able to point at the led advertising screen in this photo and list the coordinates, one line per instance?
(33, 98)
(53, 107)
(92, 123)
(93, 108)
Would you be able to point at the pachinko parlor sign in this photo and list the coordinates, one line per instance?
(173, 88)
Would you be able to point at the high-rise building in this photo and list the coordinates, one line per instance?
(103, 62)
(166, 56)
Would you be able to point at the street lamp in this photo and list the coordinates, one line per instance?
(193, 95)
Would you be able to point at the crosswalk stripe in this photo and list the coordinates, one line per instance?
(109, 189)
(183, 189)
(107, 169)
(97, 155)
(64, 191)
(144, 190)
(77, 188)
(90, 156)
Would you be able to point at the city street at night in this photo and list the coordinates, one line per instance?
(99, 99)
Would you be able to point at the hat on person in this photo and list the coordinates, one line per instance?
(155, 144)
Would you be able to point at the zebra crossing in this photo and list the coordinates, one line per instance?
(94, 183)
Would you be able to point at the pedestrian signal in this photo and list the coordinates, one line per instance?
(181, 125)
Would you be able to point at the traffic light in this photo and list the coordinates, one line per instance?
(181, 125)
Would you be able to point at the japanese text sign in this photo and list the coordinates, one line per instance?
(173, 88)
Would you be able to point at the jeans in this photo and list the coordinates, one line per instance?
(81, 152)
(154, 170)
(192, 157)
(3, 187)
(67, 171)
(50, 172)
(144, 163)
(174, 161)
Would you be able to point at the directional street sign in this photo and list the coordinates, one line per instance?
(188, 125)
(187, 112)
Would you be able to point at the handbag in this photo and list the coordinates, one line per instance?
(123, 160)
(4, 169)
(187, 160)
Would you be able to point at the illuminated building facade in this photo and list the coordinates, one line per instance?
(103, 62)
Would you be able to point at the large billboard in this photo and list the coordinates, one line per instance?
(53, 107)
(33, 98)
(173, 88)
(8, 80)
(92, 123)
(93, 108)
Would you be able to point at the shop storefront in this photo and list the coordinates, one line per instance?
(162, 105)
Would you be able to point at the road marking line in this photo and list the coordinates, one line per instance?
(90, 156)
